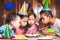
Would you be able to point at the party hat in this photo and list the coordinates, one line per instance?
(46, 4)
(23, 9)
(7, 31)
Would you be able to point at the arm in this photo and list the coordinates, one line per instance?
(49, 32)
(2, 28)
(1, 31)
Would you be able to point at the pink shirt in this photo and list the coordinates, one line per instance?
(32, 29)
(19, 31)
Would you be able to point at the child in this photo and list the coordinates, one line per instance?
(47, 30)
(47, 18)
(22, 29)
(13, 21)
(32, 27)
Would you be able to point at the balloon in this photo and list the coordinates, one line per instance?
(9, 6)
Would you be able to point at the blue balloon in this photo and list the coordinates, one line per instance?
(9, 5)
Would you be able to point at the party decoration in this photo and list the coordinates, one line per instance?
(46, 5)
(37, 7)
(43, 2)
(7, 31)
(23, 9)
(9, 5)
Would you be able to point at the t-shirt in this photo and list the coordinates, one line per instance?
(56, 26)
(33, 29)
(3, 29)
(20, 31)
(50, 30)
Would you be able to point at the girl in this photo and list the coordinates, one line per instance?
(22, 29)
(32, 26)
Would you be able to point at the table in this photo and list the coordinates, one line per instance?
(40, 38)
(37, 38)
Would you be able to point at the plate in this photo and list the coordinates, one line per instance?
(32, 35)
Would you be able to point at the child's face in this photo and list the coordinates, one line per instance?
(44, 19)
(16, 22)
(31, 20)
(24, 21)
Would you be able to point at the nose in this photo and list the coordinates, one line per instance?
(42, 21)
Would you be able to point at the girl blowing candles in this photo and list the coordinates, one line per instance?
(32, 26)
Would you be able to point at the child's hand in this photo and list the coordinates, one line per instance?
(51, 34)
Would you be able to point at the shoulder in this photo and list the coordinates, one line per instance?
(57, 22)
(3, 26)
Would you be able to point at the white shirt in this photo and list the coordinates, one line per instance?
(56, 26)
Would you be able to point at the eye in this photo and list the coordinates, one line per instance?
(40, 18)
(24, 21)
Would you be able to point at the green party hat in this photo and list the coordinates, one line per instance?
(46, 5)
(7, 31)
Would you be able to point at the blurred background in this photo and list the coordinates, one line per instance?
(30, 4)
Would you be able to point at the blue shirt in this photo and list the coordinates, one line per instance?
(3, 28)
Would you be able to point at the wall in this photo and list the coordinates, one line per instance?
(55, 6)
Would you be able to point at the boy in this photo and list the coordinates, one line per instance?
(47, 18)
(13, 21)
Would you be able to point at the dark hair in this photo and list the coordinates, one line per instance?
(46, 12)
(29, 14)
(11, 16)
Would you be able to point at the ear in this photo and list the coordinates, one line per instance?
(12, 22)
(49, 16)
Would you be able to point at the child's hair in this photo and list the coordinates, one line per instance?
(46, 12)
(11, 16)
(29, 14)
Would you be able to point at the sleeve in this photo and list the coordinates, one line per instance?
(12, 32)
(51, 30)
(2, 29)
(58, 23)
